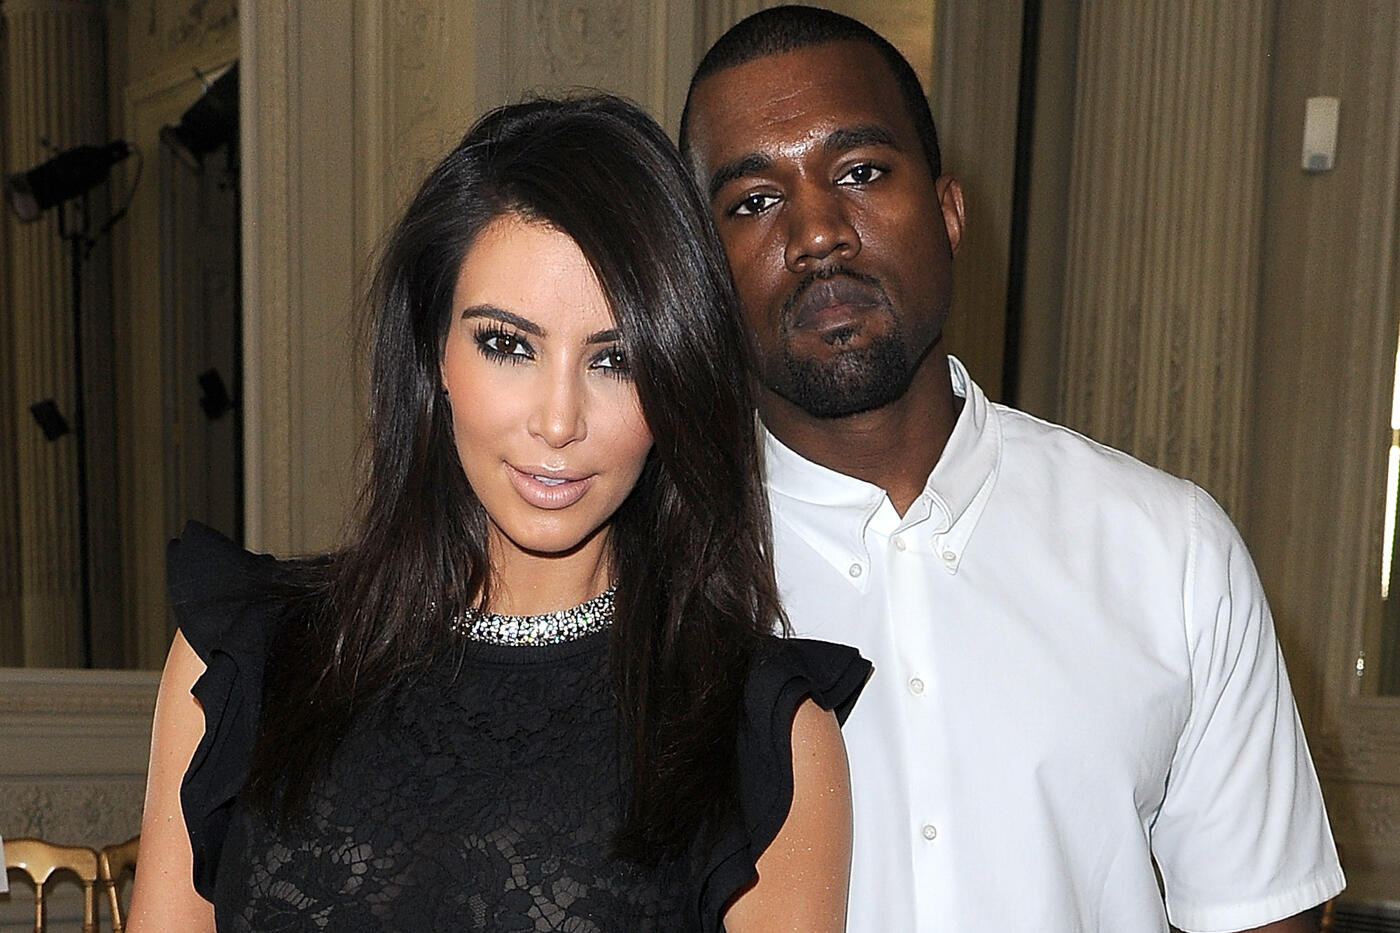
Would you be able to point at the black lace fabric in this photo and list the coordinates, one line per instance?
(485, 796)
(484, 799)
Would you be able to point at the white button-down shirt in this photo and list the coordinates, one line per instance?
(1075, 672)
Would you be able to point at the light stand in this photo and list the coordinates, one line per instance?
(78, 248)
(64, 178)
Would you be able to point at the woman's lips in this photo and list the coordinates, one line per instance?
(546, 490)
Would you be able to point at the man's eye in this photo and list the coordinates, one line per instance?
(754, 204)
(862, 174)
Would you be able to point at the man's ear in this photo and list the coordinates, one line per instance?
(950, 202)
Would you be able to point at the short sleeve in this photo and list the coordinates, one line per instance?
(221, 598)
(1242, 837)
(788, 671)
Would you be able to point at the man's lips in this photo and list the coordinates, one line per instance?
(832, 302)
(548, 489)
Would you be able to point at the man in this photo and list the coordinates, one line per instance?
(1077, 683)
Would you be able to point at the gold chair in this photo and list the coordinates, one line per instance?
(39, 860)
(115, 863)
(1326, 920)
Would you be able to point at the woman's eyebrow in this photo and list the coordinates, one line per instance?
(505, 317)
(611, 335)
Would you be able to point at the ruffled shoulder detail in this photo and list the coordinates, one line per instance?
(224, 605)
(785, 673)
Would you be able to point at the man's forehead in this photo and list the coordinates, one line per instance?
(801, 96)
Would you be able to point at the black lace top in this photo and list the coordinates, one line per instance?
(483, 797)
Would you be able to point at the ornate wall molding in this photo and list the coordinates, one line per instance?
(644, 51)
(94, 813)
(192, 23)
(56, 695)
(165, 34)
(577, 43)
(73, 752)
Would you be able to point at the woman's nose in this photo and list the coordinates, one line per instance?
(557, 418)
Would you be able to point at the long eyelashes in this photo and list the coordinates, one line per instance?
(497, 343)
(505, 346)
(613, 361)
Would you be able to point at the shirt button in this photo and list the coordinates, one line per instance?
(930, 832)
(916, 686)
(855, 570)
(950, 556)
(899, 544)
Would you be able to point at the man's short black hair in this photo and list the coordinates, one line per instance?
(789, 28)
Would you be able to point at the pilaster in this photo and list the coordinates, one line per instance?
(11, 640)
(1164, 216)
(54, 79)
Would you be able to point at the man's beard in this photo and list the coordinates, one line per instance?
(854, 381)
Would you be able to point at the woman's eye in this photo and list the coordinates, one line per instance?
(862, 174)
(613, 361)
(500, 343)
(754, 204)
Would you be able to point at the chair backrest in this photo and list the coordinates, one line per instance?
(39, 860)
(114, 864)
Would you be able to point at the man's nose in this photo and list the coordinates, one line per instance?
(819, 231)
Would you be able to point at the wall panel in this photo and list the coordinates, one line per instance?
(1324, 356)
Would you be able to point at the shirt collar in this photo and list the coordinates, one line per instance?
(954, 495)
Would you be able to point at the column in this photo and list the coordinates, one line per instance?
(54, 95)
(1162, 265)
(11, 640)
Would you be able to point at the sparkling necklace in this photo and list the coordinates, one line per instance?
(551, 628)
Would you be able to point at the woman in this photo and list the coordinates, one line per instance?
(536, 691)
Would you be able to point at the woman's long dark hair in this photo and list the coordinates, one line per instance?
(690, 545)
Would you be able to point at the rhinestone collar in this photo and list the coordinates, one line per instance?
(552, 628)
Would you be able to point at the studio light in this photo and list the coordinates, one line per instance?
(215, 399)
(211, 122)
(49, 419)
(67, 175)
